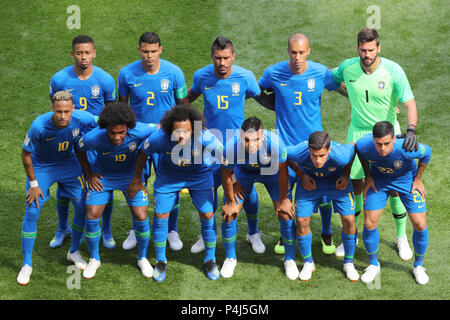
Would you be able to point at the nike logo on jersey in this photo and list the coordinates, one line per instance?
(48, 139)
(105, 153)
(207, 88)
(137, 84)
(421, 206)
(351, 80)
(284, 84)
(69, 90)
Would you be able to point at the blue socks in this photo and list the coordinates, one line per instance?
(251, 206)
(160, 231)
(62, 208)
(29, 232)
(209, 238)
(287, 231)
(349, 242)
(143, 237)
(326, 211)
(229, 232)
(106, 219)
(420, 242)
(92, 234)
(77, 224)
(304, 244)
(173, 218)
(371, 240)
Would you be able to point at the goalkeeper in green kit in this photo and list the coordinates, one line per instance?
(374, 86)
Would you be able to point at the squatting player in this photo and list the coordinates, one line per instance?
(224, 87)
(388, 167)
(151, 86)
(323, 170)
(298, 85)
(186, 151)
(116, 141)
(256, 155)
(92, 88)
(374, 85)
(48, 157)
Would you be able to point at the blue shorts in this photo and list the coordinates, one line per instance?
(119, 182)
(414, 203)
(307, 201)
(202, 200)
(248, 178)
(199, 184)
(70, 179)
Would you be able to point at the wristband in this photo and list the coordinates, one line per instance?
(34, 184)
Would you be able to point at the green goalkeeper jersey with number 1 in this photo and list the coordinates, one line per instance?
(373, 97)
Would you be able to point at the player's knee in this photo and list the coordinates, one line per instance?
(348, 224)
(207, 215)
(302, 226)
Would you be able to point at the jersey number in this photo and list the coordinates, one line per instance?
(150, 98)
(299, 98)
(63, 146)
(222, 103)
(120, 157)
(83, 103)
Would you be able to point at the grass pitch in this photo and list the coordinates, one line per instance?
(36, 44)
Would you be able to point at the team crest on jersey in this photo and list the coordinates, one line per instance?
(398, 164)
(132, 146)
(95, 90)
(311, 84)
(75, 132)
(235, 87)
(381, 84)
(164, 84)
(265, 158)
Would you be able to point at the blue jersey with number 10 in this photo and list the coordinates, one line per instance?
(297, 98)
(115, 160)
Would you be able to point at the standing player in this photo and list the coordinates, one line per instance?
(257, 155)
(298, 85)
(116, 141)
(388, 167)
(91, 88)
(374, 86)
(225, 87)
(185, 162)
(324, 168)
(152, 86)
(48, 158)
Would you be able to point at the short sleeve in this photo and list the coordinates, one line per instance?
(123, 85)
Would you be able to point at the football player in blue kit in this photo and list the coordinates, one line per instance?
(186, 154)
(256, 155)
(151, 86)
(225, 87)
(388, 167)
(92, 88)
(323, 169)
(116, 141)
(297, 85)
(48, 157)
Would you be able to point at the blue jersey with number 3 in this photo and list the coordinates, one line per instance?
(297, 98)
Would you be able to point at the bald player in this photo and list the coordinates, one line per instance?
(298, 85)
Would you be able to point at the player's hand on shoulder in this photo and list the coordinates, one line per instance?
(410, 143)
